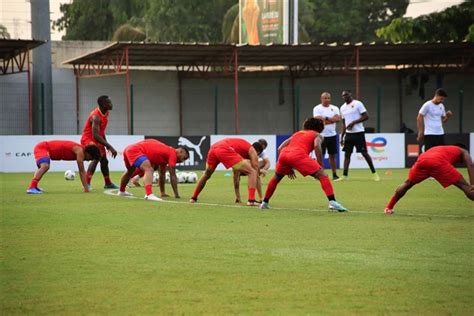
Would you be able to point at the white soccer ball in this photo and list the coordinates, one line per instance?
(181, 176)
(69, 175)
(192, 177)
(167, 177)
(156, 176)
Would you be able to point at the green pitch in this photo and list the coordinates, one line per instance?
(66, 252)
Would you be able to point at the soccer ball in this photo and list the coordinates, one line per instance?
(192, 177)
(69, 175)
(167, 177)
(181, 177)
(156, 176)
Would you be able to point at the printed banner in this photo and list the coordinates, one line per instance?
(270, 150)
(198, 147)
(386, 150)
(16, 152)
(263, 22)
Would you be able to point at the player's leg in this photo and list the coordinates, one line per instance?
(399, 193)
(327, 187)
(347, 149)
(125, 179)
(245, 167)
(202, 183)
(272, 185)
(41, 152)
(331, 146)
(146, 167)
(43, 167)
(104, 168)
(361, 147)
(466, 188)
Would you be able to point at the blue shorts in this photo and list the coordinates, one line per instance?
(43, 160)
(138, 162)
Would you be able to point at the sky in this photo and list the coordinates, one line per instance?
(15, 14)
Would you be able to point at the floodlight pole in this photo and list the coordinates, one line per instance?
(127, 90)
(30, 93)
(357, 79)
(236, 91)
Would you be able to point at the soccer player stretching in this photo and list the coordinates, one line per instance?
(61, 150)
(438, 163)
(294, 154)
(147, 154)
(94, 133)
(238, 154)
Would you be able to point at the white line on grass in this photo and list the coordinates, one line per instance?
(113, 192)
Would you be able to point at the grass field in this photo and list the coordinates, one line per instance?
(66, 252)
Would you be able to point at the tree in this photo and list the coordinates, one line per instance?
(4, 32)
(126, 32)
(455, 23)
(186, 20)
(86, 20)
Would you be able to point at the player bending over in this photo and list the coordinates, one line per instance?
(294, 154)
(61, 150)
(146, 155)
(263, 166)
(237, 154)
(438, 162)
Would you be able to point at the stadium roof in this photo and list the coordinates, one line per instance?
(323, 54)
(10, 48)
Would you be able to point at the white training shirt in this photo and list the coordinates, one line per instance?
(263, 155)
(351, 112)
(432, 116)
(327, 111)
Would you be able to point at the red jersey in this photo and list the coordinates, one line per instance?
(158, 153)
(61, 149)
(448, 154)
(301, 141)
(240, 146)
(87, 134)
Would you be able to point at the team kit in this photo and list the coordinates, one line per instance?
(154, 161)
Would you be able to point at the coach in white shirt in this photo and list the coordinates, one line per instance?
(353, 113)
(430, 120)
(330, 115)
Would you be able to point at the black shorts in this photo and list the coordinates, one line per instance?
(329, 144)
(356, 140)
(431, 141)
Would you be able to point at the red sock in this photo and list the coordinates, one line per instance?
(392, 202)
(148, 189)
(271, 188)
(33, 184)
(252, 194)
(89, 177)
(326, 186)
(107, 180)
(122, 187)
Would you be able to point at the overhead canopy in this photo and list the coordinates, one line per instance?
(13, 54)
(333, 55)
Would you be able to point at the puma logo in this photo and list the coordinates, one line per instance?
(182, 141)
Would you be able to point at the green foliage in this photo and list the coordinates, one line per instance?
(4, 32)
(66, 252)
(454, 23)
(186, 20)
(126, 32)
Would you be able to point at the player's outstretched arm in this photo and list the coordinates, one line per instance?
(82, 170)
(161, 181)
(343, 131)
(100, 139)
(236, 178)
(466, 157)
(318, 140)
(174, 181)
(420, 125)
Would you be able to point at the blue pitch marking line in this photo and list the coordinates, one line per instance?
(113, 192)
